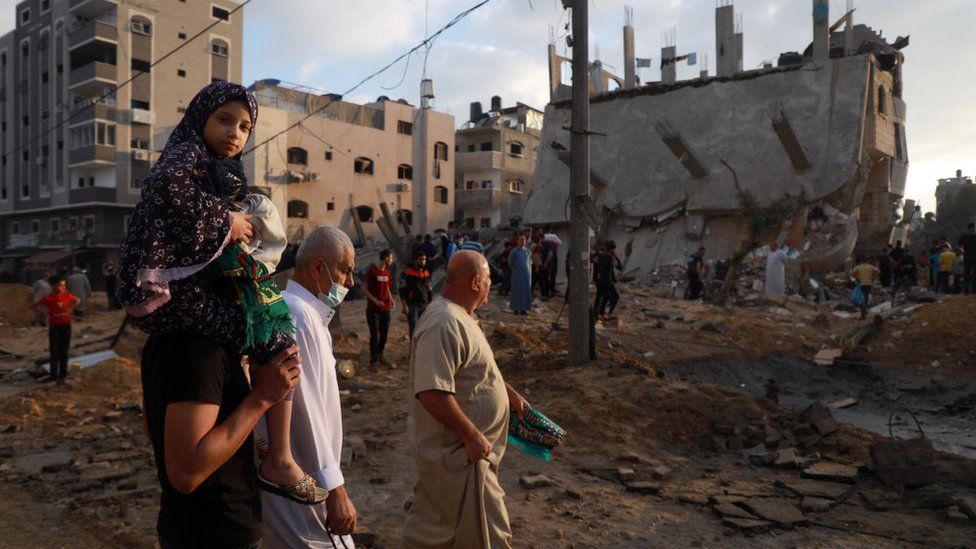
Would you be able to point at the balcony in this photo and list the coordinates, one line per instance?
(91, 112)
(92, 154)
(479, 160)
(89, 32)
(92, 8)
(92, 194)
(142, 116)
(29, 240)
(477, 198)
(90, 79)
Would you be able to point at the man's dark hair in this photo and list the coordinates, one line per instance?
(427, 238)
(420, 254)
(385, 254)
(611, 245)
(971, 226)
(418, 238)
(55, 279)
(701, 249)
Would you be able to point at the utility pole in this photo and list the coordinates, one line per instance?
(579, 186)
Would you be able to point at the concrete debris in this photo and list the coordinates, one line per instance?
(626, 474)
(661, 472)
(842, 403)
(826, 470)
(643, 487)
(747, 525)
(734, 511)
(532, 481)
(816, 505)
(967, 506)
(908, 462)
(825, 357)
(780, 512)
(817, 489)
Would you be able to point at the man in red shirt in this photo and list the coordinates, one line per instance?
(378, 306)
(59, 304)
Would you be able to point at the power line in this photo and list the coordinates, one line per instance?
(137, 73)
(426, 42)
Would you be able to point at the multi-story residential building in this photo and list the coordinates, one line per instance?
(338, 166)
(75, 149)
(496, 160)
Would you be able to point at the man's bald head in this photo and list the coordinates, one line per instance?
(468, 279)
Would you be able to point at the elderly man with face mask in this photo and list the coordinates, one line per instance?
(458, 419)
(322, 277)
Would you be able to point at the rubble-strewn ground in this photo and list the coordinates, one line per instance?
(671, 442)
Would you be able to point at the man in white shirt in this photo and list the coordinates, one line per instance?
(322, 276)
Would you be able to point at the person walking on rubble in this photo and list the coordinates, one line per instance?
(378, 307)
(605, 264)
(80, 286)
(776, 271)
(415, 290)
(458, 419)
(968, 244)
(696, 273)
(520, 261)
(946, 263)
(905, 274)
(865, 274)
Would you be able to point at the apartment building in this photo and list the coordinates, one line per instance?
(341, 164)
(497, 153)
(74, 151)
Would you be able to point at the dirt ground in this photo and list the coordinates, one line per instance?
(656, 430)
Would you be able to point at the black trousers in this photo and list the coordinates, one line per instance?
(606, 297)
(866, 290)
(942, 282)
(59, 339)
(379, 327)
(969, 273)
(695, 285)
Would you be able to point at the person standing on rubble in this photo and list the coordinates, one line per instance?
(605, 264)
(696, 273)
(946, 263)
(58, 304)
(415, 290)
(905, 275)
(865, 274)
(968, 244)
(884, 265)
(520, 261)
(506, 287)
(378, 307)
(458, 419)
(776, 271)
(80, 286)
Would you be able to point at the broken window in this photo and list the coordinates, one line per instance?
(220, 13)
(405, 171)
(365, 213)
(516, 186)
(298, 208)
(297, 155)
(440, 194)
(485, 222)
(363, 165)
(515, 148)
(440, 151)
(328, 155)
(406, 128)
(486, 146)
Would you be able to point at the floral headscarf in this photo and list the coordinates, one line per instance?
(180, 223)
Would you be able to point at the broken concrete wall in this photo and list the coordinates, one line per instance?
(639, 174)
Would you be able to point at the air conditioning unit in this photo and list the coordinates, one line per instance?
(140, 155)
(402, 187)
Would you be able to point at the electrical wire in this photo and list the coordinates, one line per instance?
(427, 41)
(136, 74)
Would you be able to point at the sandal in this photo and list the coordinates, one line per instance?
(304, 490)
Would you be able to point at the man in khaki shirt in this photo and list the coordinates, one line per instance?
(458, 420)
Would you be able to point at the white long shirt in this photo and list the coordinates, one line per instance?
(776, 273)
(316, 428)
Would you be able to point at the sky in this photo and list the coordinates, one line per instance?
(501, 50)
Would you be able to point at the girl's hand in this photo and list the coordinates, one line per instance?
(240, 229)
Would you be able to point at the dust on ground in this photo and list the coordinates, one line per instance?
(671, 441)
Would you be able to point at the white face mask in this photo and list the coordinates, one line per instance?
(336, 292)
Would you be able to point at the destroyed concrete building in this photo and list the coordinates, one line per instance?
(349, 162)
(496, 157)
(825, 127)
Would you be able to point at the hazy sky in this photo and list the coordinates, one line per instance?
(501, 49)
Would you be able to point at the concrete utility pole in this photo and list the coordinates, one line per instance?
(579, 186)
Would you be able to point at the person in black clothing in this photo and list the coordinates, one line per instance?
(418, 247)
(696, 270)
(884, 265)
(415, 290)
(605, 262)
(968, 244)
(906, 275)
(506, 285)
(199, 416)
(546, 280)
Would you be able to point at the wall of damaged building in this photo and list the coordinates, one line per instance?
(664, 148)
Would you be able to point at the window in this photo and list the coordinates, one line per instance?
(181, 73)
(45, 5)
(45, 150)
(515, 148)
(136, 182)
(140, 65)
(59, 184)
(440, 194)
(328, 155)
(25, 16)
(406, 128)
(182, 36)
(44, 41)
(485, 222)
(104, 134)
(471, 148)
(44, 189)
(405, 171)
(516, 186)
(125, 223)
(469, 222)
(440, 151)
(297, 155)
(25, 49)
(365, 213)
(220, 13)
(470, 185)
(882, 107)
(139, 104)
(45, 77)
(25, 155)
(55, 226)
(363, 165)
(88, 222)
(141, 26)
(81, 182)
(486, 146)
(141, 144)
(73, 223)
(91, 181)
(60, 145)
(219, 48)
(45, 114)
(15, 227)
(60, 68)
(330, 206)
(35, 225)
(486, 184)
(25, 190)
(298, 208)
(26, 120)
